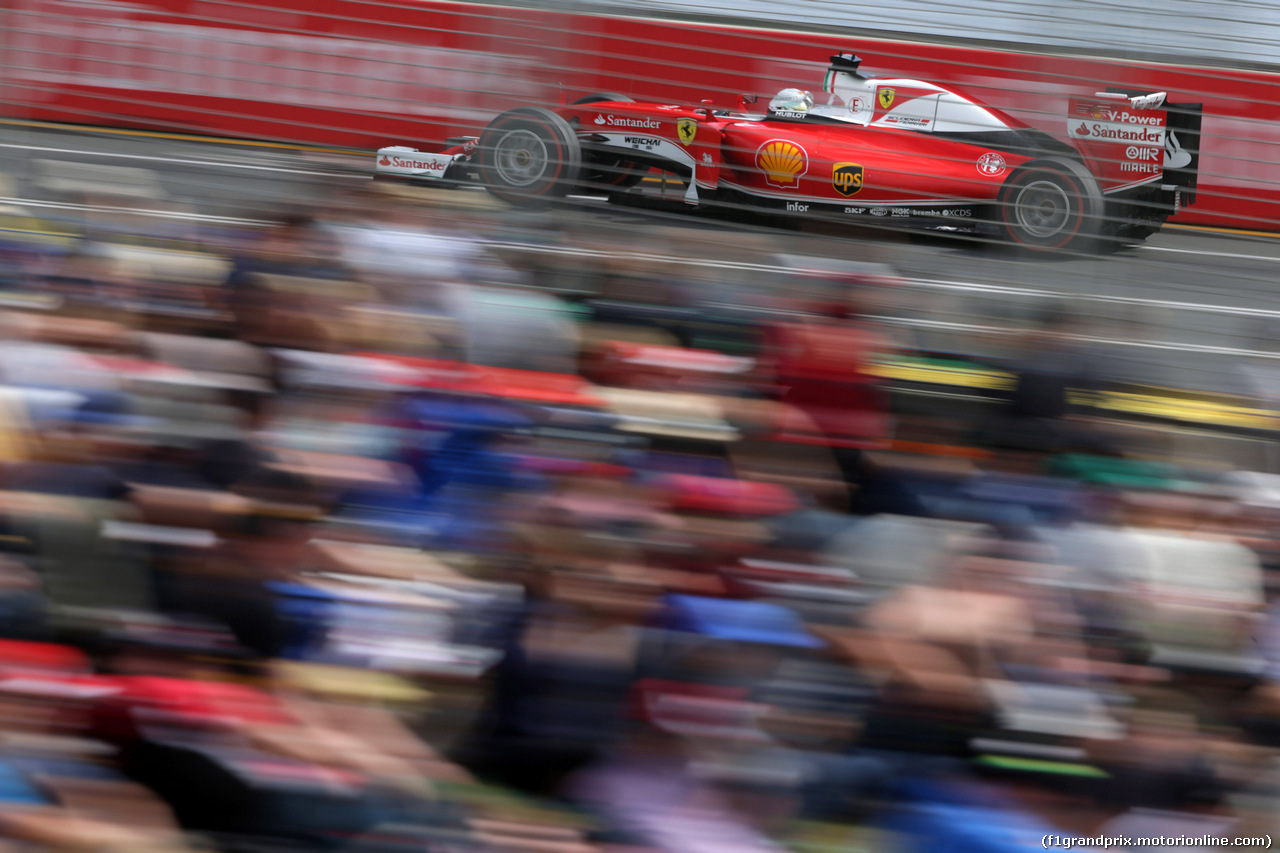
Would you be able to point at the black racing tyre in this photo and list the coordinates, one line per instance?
(1051, 204)
(529, 155)
(600, 97)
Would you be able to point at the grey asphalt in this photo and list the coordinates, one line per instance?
(1189, 302)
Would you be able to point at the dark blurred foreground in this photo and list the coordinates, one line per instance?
(366, 532)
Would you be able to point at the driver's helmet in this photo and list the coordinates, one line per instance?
(791, 101)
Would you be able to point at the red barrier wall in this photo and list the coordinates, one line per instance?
(362, 74)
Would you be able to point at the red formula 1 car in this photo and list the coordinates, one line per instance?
(881, 150)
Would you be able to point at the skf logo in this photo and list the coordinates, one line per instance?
(782, 162)
(886, 97)
(687, 129)
(846, 178)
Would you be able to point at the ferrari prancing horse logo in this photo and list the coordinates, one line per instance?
(886, 98)
(846, 178)
(687, 128)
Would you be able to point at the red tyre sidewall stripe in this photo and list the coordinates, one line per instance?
(552, 137)
(557, 158)
(1079, 214)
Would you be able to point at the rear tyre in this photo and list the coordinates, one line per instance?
(529, 156)
(1052, 204)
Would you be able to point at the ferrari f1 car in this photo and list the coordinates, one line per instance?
(882, 150)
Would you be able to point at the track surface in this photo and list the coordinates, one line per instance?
(1190, 309)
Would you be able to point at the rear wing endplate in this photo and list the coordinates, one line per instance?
(1182, 138)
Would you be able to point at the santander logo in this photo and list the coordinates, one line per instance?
(428, 165)
(622, 121)
(385, 161)
(1142, 135)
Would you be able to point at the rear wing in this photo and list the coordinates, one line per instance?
(1181, 144)
(1134, 138)
(447, 166)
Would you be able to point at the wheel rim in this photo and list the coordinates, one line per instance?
(1042, 209)
(520, 158)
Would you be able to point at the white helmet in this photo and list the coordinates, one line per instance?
(791, 100)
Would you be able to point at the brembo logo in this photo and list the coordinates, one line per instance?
(618, 121)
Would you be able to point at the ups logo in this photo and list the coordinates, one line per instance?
(846, 178)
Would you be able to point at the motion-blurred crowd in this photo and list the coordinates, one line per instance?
(395, 525)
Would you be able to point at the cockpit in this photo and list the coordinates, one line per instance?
(850, 96)
(863, 99)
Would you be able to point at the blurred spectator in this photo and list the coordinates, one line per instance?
(295, 248)
(400, 519)
(818, 365)
(1041, 417)
(270, 542)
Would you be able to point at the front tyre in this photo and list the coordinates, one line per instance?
(1051, 204)
(529, 156)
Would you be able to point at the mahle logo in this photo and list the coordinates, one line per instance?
(846, 178)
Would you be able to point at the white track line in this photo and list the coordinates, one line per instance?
(1200, 307)
(134, 211)
(1272, 260)
(947, 325)
(156, 159)
(900, 321)
(941, 284)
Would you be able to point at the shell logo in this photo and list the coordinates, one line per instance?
(782, 162)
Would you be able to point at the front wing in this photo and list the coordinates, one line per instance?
(453, 165)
